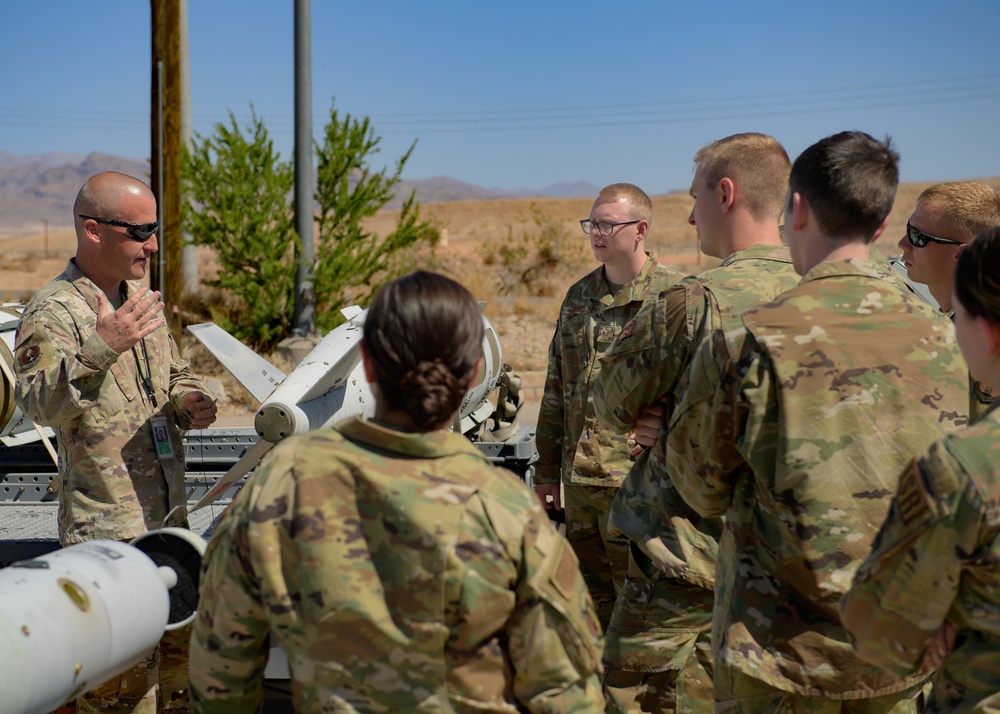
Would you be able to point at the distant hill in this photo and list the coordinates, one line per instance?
(41, 187)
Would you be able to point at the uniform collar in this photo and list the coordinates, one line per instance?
(839, 268)
(430, 445)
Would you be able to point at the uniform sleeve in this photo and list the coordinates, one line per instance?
(229, 642)
(61, 363)
(182, 382)
(555, 639)
(550, 432)
(645, 362)
(703, 450)
(903, 591)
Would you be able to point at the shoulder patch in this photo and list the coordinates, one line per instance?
(29, 356)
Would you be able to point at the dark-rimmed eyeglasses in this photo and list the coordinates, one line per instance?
(604, 228)
(136, 231)
(918, 239)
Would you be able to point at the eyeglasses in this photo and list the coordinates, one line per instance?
(918, 239)
(604, 228)
(136, 231)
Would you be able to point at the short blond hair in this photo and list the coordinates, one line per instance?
(755, 162)
(968, 207)
(640, 207)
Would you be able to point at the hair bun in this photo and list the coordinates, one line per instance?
(429, 392)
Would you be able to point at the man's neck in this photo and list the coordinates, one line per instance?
(942, 295)
(829, 249)
(622, 274)
(754, 234)
(109, 287)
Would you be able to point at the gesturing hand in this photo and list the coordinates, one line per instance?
(137, 317)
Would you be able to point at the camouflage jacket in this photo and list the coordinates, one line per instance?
(648, 361)
(113, 485)
(796, 428)
(935, 559)
(399, 572)
(572, 445)
(980, 395)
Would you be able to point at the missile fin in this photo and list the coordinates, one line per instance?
(259, 376)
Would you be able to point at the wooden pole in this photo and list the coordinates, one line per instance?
(165, 159)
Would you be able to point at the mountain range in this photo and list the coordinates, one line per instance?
(35, 188)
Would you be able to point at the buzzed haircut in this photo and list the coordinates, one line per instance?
(757, 163)
(849, 180)
(101, 193)
(968, 208)
(640, 207)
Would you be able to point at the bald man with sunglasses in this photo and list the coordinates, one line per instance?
(947, 216)
(94, 360)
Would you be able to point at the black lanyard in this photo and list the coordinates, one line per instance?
(145, 379)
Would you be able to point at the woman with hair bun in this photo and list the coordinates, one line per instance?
(398, 569)
(929, 592)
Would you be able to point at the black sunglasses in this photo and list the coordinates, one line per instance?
(136, 231)
(918, 239)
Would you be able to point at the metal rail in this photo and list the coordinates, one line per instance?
(28, 508)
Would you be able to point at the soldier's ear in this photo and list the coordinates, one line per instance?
(880, 230)
(990, 333)
(366, 360)
(800, 212)
(727, 192)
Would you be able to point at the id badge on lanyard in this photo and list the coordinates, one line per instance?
(161, 437)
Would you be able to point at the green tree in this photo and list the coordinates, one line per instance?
(237, 201)
(236, 192)
(352, 263)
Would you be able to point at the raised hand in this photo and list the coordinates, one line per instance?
(137, 317)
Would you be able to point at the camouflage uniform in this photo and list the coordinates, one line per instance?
(400, 573)
(661, 621)
(573, 447)
(935, 559)
(112, 484)
(980, 395)
(796, 429)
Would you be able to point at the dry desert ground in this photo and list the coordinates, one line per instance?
(518, 255)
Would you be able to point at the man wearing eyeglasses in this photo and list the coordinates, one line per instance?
(94, 359)
(657, 653)
(574, 449)
(947, 216)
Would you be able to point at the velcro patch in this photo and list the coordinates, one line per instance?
(29, 356)
(24, 331)
(606, 333)
(912, 499)
(566, 572)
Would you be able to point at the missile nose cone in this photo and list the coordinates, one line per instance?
(273, 422)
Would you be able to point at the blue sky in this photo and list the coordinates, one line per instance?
(527, 94)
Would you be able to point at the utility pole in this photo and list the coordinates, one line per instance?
(165, 157)
(304, 318)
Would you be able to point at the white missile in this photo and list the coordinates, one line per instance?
(328, 386)
(73, 618)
